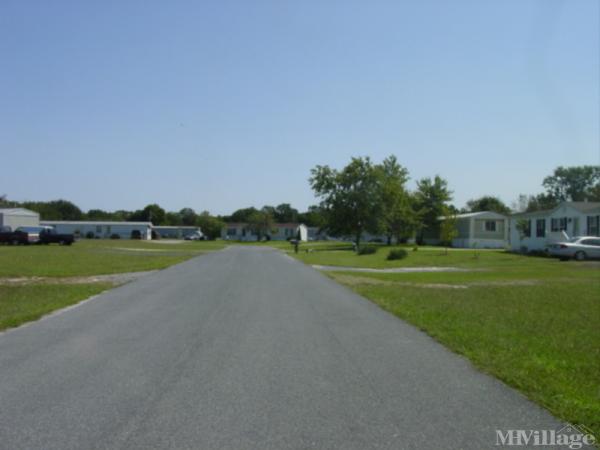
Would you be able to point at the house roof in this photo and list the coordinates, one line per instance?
(176, 227)
(488, 214)
(18, 211)
(583, 207)
(88, 222)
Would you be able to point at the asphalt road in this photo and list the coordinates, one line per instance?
(243, 349)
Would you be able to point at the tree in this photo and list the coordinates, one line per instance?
(431, 200)
(576, 183)
(151, 213)
(55, 210)
(261, 223)
(242, 215)
(349, 197)
(448, 228)
(541, 202)
(488, 203)
(313, 217)
(523, 227)
(188, 216)
(210, 226)
(396, 210)
(284, 213)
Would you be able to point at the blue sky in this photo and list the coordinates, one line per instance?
(226, 104)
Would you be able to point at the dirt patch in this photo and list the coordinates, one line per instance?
(351, 280)
(115, 279)
(393, 270)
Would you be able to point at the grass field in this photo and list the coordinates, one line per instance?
(532, 322)
(95, 257)
(33, 297)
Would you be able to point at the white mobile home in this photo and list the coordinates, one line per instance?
(176, 232)
(18, 217)
(481, 229)
(102, 229)
(545, 227)
(279, 232)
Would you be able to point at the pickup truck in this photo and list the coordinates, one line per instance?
(7, 236)
(48, 235)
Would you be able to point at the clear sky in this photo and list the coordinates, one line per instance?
(225, 104)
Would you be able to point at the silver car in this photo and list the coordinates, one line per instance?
(579, 248)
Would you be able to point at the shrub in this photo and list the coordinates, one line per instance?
(398, 253)
(368, 250)
(89, 235)
(135, 234)
(115, 236)
(416, 248)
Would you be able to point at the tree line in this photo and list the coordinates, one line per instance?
(361, 197)
(364, 197)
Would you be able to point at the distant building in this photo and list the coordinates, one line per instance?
(176, 232)
(278, 232)
(546, 227)
(18, 217)
(481, 229)
(102, 229)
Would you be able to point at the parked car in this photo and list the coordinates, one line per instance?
(7, 236)
(194, 237)
(32, 233)
(49, 236)
(579, 248)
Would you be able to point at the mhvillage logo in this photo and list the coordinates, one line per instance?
(570, 436)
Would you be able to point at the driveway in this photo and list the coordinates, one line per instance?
(244, 348)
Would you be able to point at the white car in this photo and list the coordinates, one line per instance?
(579, 248)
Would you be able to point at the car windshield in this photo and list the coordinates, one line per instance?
(30, 229)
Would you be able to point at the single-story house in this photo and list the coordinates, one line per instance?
(102, 229)
(176, 232)
(545, 227)
(481, 229)
(278, 232)
(18, 217)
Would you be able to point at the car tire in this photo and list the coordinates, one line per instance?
(580, 256)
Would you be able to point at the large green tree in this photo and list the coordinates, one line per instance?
(55, 210)
(261, 223)
(151, 213)
(576, 183)
(284, 213)
(211, 226)
(397, 215)
(431, 200)
(349, 197)
(488, 203)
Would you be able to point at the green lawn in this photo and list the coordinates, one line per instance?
(23, 303)
(20, 304)
(532, 322)
(96, 257)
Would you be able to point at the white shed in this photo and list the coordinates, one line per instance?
(18, 217)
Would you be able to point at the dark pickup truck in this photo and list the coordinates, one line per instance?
(7, 236)
(49, 236)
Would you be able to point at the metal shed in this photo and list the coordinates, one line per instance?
(18, 217)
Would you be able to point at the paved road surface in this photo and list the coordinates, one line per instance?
(243, 349)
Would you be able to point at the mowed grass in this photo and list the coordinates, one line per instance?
(32, 299)
(97, 257)
(532, 322)
(20, 304)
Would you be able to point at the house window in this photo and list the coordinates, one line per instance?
(593, 225)
(540, 228)
(490, 225)
(559, 224)
(98, 228)
(231, 231)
